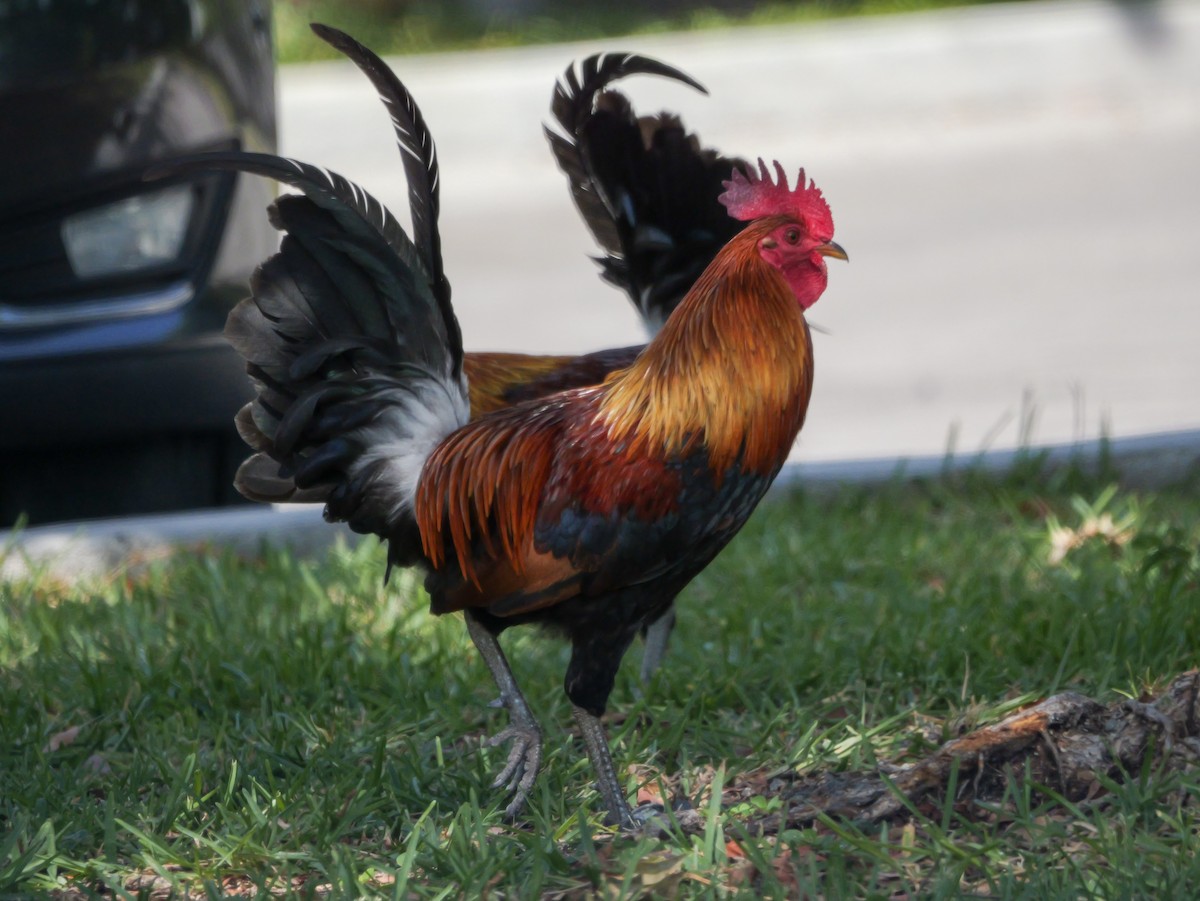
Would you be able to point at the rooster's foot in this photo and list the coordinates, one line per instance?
(521, 768)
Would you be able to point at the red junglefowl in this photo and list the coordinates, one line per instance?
(646, 190)
(586, 511)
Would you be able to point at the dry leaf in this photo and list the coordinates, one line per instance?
(782, 864)
(659, 867)
(62, 739)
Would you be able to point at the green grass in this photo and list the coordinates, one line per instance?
(392, 27)
(214, 724)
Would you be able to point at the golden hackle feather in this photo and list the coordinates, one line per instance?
(734, 371)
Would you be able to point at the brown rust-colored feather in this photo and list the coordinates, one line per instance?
(510, 587)
(601, 476)
(486, 480)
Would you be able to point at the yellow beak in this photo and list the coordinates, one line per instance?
(833, 249)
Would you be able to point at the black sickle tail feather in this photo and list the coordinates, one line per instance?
(356, 361)
(645, 187)
(353, 207)
(417, 151)
(572, 106)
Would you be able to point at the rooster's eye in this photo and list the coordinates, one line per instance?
(792, 235)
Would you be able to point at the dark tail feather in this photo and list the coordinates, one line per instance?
(572, 106)
(645, 188)
(356, 362)
(417, 150)
(351, 205)
(357, 213)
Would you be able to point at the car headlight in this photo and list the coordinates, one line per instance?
(136, 233)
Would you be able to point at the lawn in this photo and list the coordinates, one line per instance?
(215, 725)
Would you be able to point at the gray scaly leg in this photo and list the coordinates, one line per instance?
(606, 773)
(521, 768)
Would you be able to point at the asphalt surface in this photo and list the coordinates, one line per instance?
(1017, 186)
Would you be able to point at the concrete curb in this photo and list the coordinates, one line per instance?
(96, 548)
(100, 548)
(1144, 461)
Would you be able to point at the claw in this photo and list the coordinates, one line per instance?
(521, 768)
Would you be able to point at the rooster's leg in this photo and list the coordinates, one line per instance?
(521, 768)
(657, 634)
(595, 657)
(606, 772)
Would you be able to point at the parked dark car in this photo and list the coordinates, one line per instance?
(117, 392)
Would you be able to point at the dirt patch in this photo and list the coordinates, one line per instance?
(1068, 743)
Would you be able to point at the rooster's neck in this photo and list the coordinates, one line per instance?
(731, 371)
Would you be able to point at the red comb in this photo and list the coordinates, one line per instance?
(753, 195)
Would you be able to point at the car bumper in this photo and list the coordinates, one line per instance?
(178, 387)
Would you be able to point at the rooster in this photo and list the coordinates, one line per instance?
(586, 511)
(646, 190)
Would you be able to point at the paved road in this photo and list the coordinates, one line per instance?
(1018, 188)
